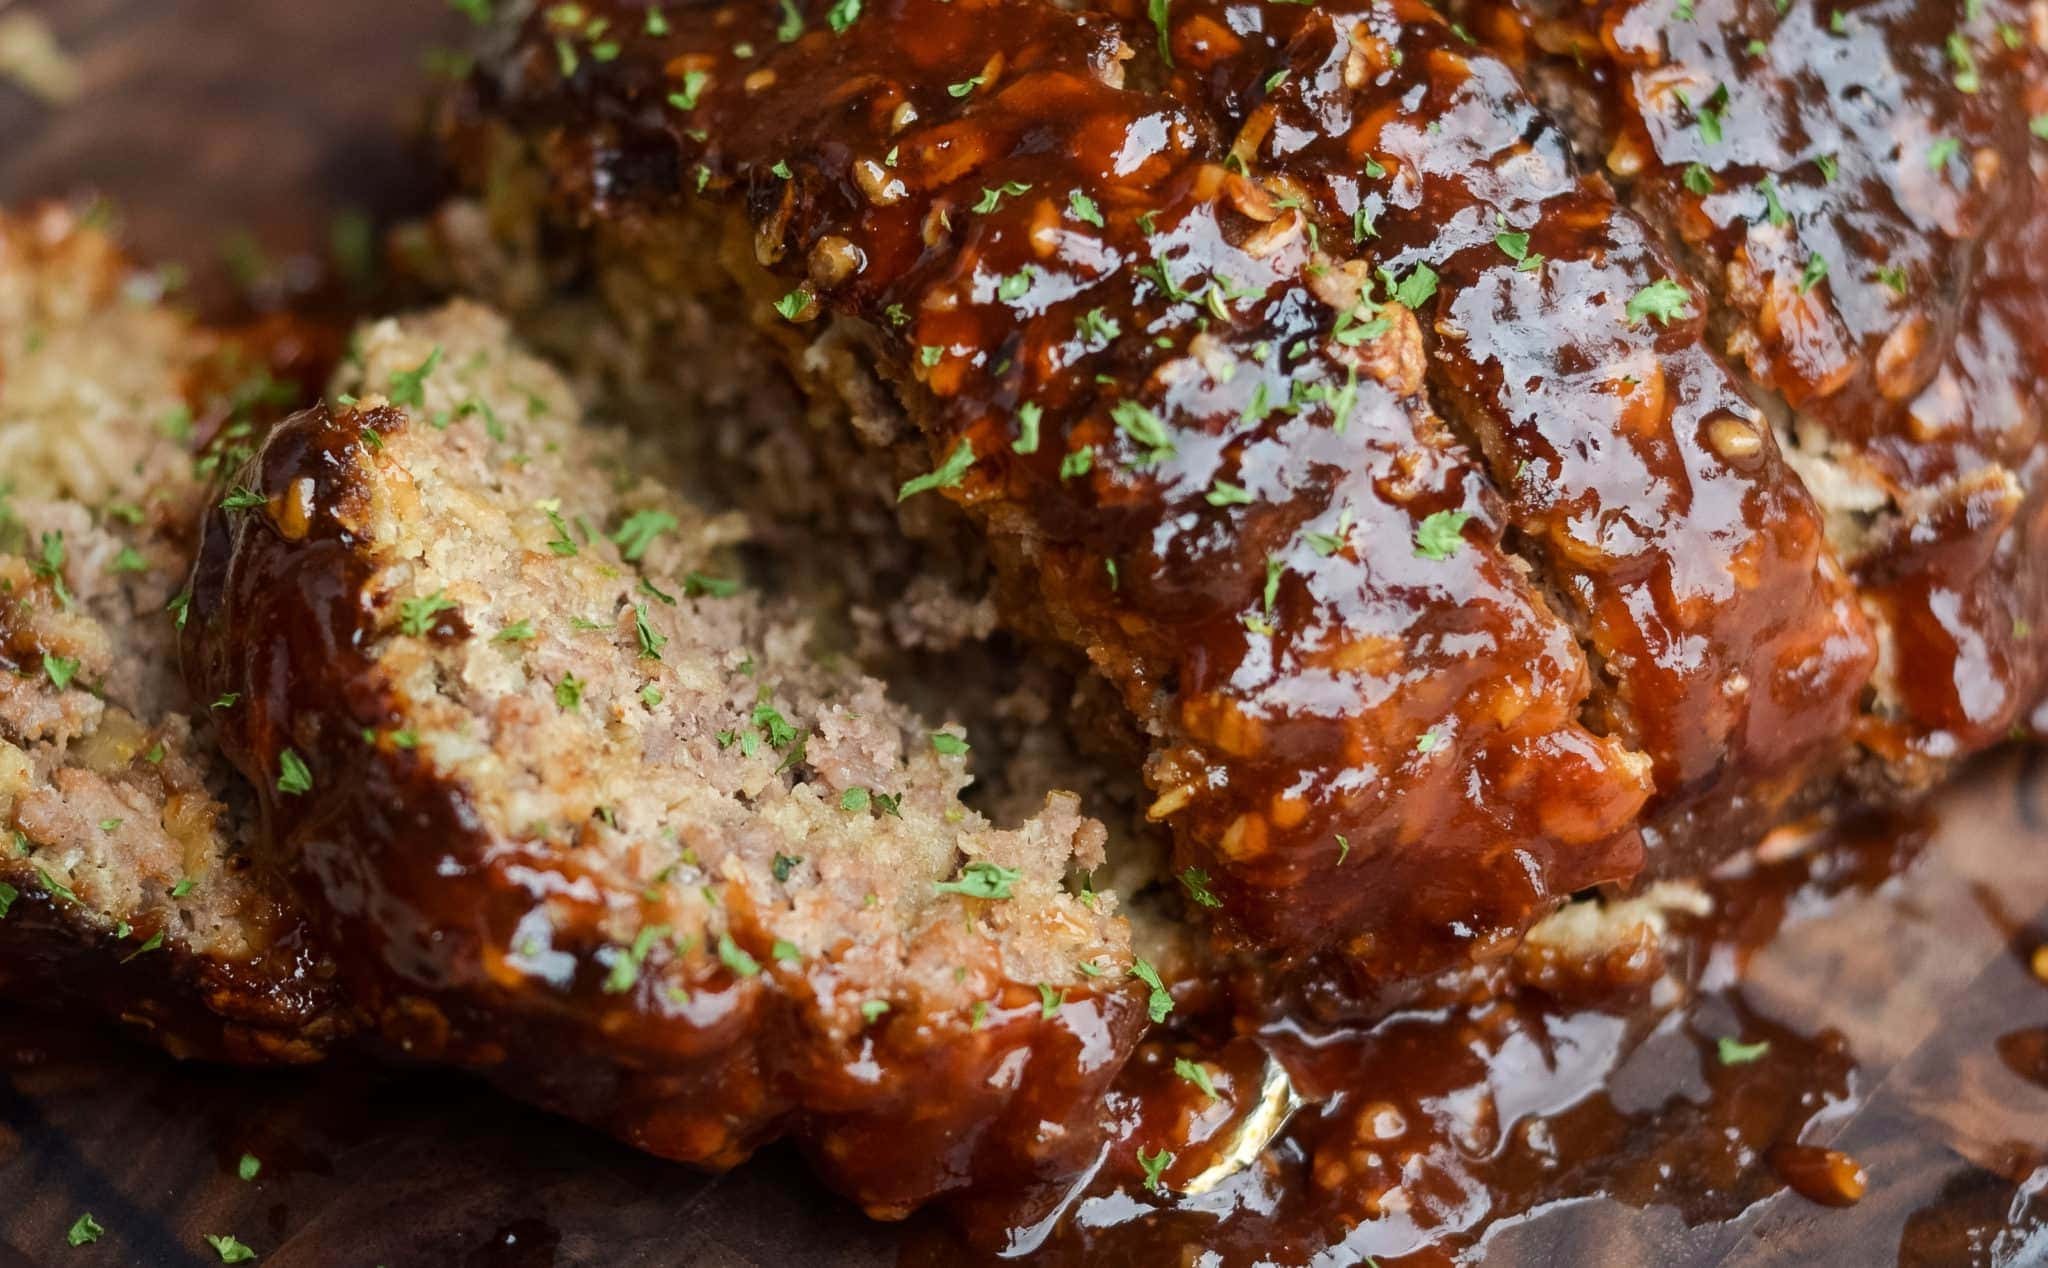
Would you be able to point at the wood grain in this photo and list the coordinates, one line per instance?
(201, 117)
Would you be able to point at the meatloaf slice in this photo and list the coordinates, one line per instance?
(1865, 189)
(1202, 455)
(126, 881)
(588, 818)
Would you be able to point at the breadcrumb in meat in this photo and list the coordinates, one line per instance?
(123, 859)
(588, 815)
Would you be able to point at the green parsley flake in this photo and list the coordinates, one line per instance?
(993, 198)
(1223, 493)
(685, 98)
(1197, 1074)
(792, 305)
(1144, 427)
(85, 1230)
(981, 879)
(871, 1010)
(1663, 300)
(242, 498)
(949, 473)
(1774, 208)
(293, 778)
(8, 894)
(1029, 416)
(1157, 10)
(947, 743)
(1049, 1001)
(1196, 882)
(1416, 289)
(966, 86)
(1161, 1001)
(1440, 534)
(1699, 178)
(842, 14)
(639, 531)
(1155, 1165)
(249, 1167)
(854, 799)
(1816, 269)
(1941, 151)
(60, 670)
(230, 1250)
(1084, 209)
(569, 693)
(735, 957)
(1733, 1051)
(517, 632)
(416, 616)
(1077, 463)
(408, 387)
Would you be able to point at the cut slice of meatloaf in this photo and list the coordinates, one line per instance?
(126, 882)
(1202, 455)
(1865, 190)
(587, 817)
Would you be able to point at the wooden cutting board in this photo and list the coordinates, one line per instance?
(207, 119)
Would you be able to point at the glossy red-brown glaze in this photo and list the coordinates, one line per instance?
(427, 901)
(1486, 1097)
(1645, 483)
(1367, 723)
(1864, 186)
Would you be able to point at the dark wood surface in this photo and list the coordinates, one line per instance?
(201, 118)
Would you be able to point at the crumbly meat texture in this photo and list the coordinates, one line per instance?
(1199, 460)
(1865, 193)
(587, 816)
(127, 880)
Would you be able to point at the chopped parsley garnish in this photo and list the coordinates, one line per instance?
(242, 498)
(785, 952)
(1774, 207)
(1816, 269)
(1160, 1002)
(1197, 1074)
(1084, 209)
(561, 543)
(60, 670)
(85, 1230)
(639, 531)
(1416, 289)
(792, 25)
(792, 305)
(8, 894)
(842, 14)
(1014, 286)
(229, 1250)
(517, 632)
(1029, 416)
(1733, 1051)
(1710, 114)
(1223, 493)
(1939, 153)
(625, 968)
(1097, 327)
(966, 86)
(735, 957)
(783, 865)
(184, 886)
(249, 1167)
(854, 799)
(1155, 1165)
(293, 778)
(1663, 300)
(408, 387)
(651, 642)
(947, 743)
(685, 98)
(981, 879)
(1157, 11)
(1440, 534)
(1078, 462)
(55, 887)
(1893, 277)
(1429, 742)
(871, 1010)
(226, 700)
(2038, 125)
(1196, 881)
(1049, 1001)
(569, 693)
(993, 198)
(1699, 178)
(416, 616)
(948, 474)
(1144, 427)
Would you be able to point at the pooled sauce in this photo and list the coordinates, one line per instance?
(1481, 1106)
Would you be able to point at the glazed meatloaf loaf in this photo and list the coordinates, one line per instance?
(1304, 377)
(127, 879)
(582, 814)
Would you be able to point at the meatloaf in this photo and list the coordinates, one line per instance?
(128, 878)
(583, 814)
(1864, 192)
(1304, 378)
